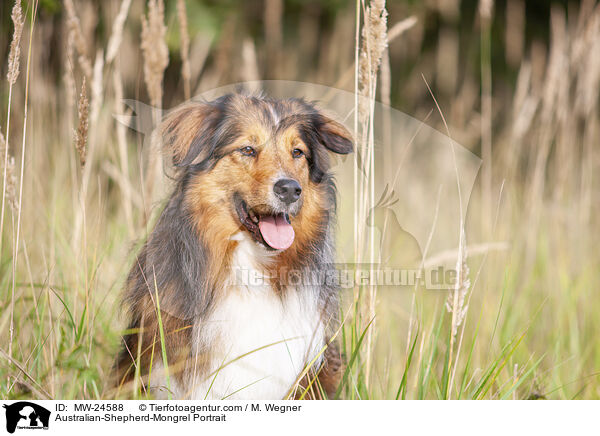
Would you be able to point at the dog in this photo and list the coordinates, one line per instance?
(222, 296)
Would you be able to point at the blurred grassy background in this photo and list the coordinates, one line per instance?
(519, 88)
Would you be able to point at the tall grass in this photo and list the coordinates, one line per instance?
(521, 322)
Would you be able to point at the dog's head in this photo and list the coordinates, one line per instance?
(255, 164)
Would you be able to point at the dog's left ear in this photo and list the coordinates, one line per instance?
(330, 135)
(334, 136)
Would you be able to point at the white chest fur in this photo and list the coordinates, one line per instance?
(260, 342)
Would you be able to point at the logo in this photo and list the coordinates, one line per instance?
(26, 415)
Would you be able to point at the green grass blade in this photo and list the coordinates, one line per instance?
(355, 353)
(403, 382)
(163, 347)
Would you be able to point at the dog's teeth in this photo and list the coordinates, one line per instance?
(253, 216)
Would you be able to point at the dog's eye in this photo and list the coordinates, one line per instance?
(248, 151)
(296, 153)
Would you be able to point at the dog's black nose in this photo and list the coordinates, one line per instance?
(287, 190)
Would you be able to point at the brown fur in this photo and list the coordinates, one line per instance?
(322, 383)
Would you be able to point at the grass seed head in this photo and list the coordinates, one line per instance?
(11, 178)
(185, 47)
(155, 50)
(15, 49)
(374, 43)
(82, 128)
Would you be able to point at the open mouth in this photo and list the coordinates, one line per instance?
(272, 230)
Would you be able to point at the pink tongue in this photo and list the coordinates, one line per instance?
(276, 231)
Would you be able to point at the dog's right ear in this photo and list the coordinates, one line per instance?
(188, 132)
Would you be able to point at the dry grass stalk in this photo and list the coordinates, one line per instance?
(250, 64)
(485, 13)
(122, 146)
(355, 172)
(94, 113)
(386, 79)
(550, 119)
(81, 133)
(486, 8)
(16, 239)
(8, 177)
(117, 31)
(10, 186)
(374, 44)
(273, 19)
(185, 47)
(15, 49)
(587, 99)
(79, 228)
(96, 88)
(156, 59)
(155, 50)
(395, 31)
(9, 181)
(456, 302)
(69, 81)
(76, 36)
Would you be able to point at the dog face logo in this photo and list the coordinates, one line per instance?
(26, 415)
